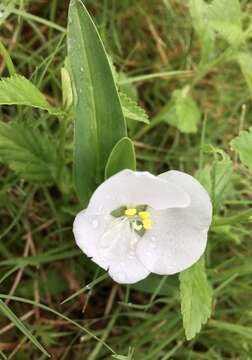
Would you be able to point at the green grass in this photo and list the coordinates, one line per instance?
(40, 265)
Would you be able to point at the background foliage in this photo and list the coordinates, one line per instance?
(188, 64)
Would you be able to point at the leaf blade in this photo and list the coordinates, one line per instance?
(17, 90)
(242, 144)
(196, 298)
(28, 152)
(99, 120)
(18, 323)
(122, 157)
(132, 110)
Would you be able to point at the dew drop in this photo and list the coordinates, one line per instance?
(94, 224)
(153, 238)
(81, 69)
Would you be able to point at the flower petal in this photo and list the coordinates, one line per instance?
(200, 206)
(173, 244)
(111, 244)
(179, 236)
(136, 188)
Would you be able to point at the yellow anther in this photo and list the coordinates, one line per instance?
(144, 214)
(130, 212)
(147, 224)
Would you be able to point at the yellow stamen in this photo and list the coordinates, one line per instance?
(144, 214)
(130, 212)
(147, 224)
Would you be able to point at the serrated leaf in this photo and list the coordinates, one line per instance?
(19, 324)
(183, 112)
(245, 61)
(131, 110)
(17, 90)
(205, 34)
(224, 16)
(99, 120)
(28, 152)
(122, 157)
(242, 144)
(216, 178)
(196, 298)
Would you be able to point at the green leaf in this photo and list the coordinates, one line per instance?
(131, 110)
(196, 298)
(17, 90)
(183, 112)
(122, 157)
(224, 16)
(99, 120)
(242, 144)
(18, 323)
(245, 61)
(28, 152)
(205, 33)
(216, 178)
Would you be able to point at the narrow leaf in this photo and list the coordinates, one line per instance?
(18, 323)
(131, 110)
(17, 90)
(122, 157)
(242, 144)
(196, 298)
(99, 120)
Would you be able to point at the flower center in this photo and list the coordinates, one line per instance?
(138, 216)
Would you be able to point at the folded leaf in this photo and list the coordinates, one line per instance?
(122, 157)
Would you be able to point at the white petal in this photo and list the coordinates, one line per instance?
(200, 208)
(131, 188)
(111, 244)
(173, 244)
(179, 236)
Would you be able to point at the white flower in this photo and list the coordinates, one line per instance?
(137, 223)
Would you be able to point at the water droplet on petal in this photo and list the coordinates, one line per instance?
(153, 238)
(95, 224)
